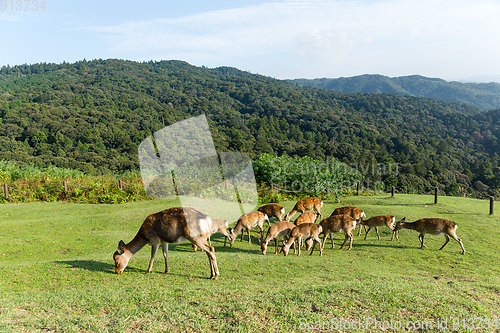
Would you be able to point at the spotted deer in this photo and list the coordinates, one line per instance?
(279, 229)
(219, 225)
(379, 221)
(433, 226)
(311, 203)
(172, 225)
(304, 231)
(248, 221)
(352, 211)
(335, 224)
(273, 210)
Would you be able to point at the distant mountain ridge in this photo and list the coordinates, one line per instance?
(485, 96)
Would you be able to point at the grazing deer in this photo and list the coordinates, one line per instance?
(335, 224)
(249, 221)
(352, 211)
(379, 221)
(172, 225)
(433, 226)
(273, 210)
(306, 204)
(304, 230)
(306, 217)
(279, 229)
(217, 225)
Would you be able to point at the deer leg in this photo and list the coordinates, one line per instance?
(242, 232)
(209, 242)
(194, 247)
(276, 245)
(378, 235)
(459, 242)
(369, 228)
(421, 237)
(202, 244)
(394, 233)
(164, 247)
(154, 248)
(317, 240)
(299, 241)
(446, 242)
(248, 234)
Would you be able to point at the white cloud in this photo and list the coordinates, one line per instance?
(343, 37)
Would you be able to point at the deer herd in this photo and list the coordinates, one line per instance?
(177, 224)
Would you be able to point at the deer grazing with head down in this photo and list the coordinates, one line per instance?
(172, 225)
(335, 224)
(279, 229)
(219, 225)
(249, 221)
(379, 221)
(433, 226)
(311, 203)
(304, 231)
(353, 212)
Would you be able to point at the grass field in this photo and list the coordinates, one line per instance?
(57, 275)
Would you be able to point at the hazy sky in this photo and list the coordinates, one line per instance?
(450, 39)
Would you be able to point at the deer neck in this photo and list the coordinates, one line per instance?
(136, 244)
(409, 225)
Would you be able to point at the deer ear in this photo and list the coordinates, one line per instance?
(120, 250)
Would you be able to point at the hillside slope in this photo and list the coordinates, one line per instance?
(485, 96)
(92, 115)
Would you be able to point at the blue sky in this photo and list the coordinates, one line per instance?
(450, 39)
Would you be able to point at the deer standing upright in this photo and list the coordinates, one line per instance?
(311, 203)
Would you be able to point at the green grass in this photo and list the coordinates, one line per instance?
(57, 274)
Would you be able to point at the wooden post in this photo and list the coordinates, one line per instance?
(6, 191)
(65, 184)
(120, 184)
(436, 191)
(358, 187)
(492, 201)
(393, 191)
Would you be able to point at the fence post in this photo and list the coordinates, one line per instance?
(492, 201)
(6, 191)
(393, 191)
(436, 191)
(65, 184)
(120, 184)
(358, 186)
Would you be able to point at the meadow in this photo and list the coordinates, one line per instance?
(57, 275)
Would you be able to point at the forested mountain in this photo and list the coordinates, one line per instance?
(485, 96)
(92, 115)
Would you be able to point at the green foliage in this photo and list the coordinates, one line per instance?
(92, 115)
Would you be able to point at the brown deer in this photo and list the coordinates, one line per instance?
(433, 226)
(279, 229)
(335, 224)
(249, 221)
(306, 217)
(352, 211)
(304, 230)
(306, 204)
(379, 221)
(217, 225)
(169, 226)
(273, 210)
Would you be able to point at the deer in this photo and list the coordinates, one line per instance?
(172, 225)
(379, 221)
(305, 217)
(304, 230)
(217, 225)
(311, 203)
(433, 226)
(249, 221)
(335, 224)
(352, 211)
(273, 210)
(279, 229)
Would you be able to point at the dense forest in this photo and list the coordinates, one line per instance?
(485, 96)
(92, 115)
